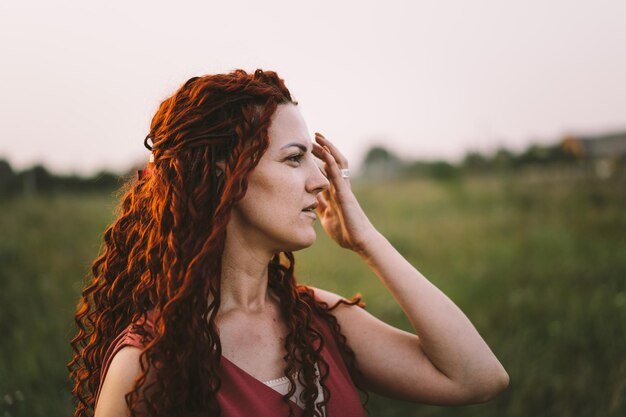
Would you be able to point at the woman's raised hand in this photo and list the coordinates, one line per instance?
(338, 209)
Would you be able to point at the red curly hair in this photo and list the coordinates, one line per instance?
(164, 250)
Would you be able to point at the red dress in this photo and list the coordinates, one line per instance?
(242, 395)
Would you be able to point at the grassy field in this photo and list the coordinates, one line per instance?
(538, 267)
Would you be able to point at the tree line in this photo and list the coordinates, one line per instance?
(380, 162)
(39, 180)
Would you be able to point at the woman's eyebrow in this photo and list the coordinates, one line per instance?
(296, 144)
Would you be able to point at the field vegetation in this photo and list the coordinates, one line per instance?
(539, 267)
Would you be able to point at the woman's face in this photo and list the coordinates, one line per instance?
(285, 182)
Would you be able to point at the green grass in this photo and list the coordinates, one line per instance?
(45, 252)
(538, 267)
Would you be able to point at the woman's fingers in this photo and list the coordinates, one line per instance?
(341, 160)
(322, 204)
(324, 154)
(332, 167)
(318, 151)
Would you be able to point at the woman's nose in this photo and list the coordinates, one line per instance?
(318, 181)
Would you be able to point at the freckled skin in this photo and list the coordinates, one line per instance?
(270, 214)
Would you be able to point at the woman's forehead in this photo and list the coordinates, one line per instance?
(288, 126)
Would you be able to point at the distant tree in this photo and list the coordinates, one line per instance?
(5, 169)
(36, 179)
(543, 155)
(439, 170)
(416, 169)
(475, 162)
(105, 180)
(532, 155)
(68, 183)
(8, 179)
(557, 153)
(378, 154)
(443, 170)
(380, 163)
(503, 158)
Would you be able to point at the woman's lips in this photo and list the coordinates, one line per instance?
(310, 213)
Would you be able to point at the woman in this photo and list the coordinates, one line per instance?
(194, 308)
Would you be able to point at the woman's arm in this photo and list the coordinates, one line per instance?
(119, 380)
(446, 361)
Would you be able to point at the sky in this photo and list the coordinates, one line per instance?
(429, 80)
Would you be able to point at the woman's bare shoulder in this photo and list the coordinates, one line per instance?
(119, 380)
(327, 297)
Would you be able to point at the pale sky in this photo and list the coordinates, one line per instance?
(81, 80)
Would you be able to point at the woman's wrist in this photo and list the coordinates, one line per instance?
(367, 244)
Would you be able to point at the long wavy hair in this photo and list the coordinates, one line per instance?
(164, 250)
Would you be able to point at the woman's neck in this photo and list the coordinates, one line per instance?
(244, 277)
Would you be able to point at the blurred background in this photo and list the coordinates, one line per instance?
(487, 141)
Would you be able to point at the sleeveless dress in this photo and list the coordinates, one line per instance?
(242, 395)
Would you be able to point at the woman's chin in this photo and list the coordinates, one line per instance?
(303, 243)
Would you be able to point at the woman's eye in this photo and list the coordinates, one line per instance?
(295, 158)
